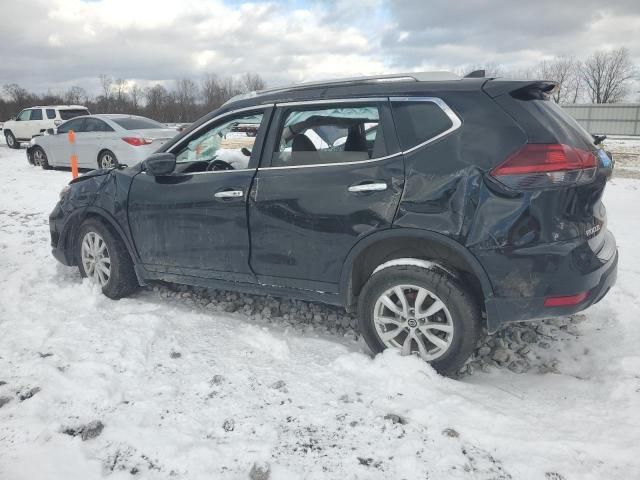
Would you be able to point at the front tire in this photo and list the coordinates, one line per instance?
(40, 158)
(420, 311)
(107, 159)
(103, 258)
(11, 140)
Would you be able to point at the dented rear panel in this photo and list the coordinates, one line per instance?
(532, 243)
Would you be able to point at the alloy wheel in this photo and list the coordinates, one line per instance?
(107, 161)
(11, 141)
(413, 320)
(95, 258)
(38, 157)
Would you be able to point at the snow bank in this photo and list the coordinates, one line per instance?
(197, 384)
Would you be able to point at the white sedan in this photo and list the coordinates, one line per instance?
(101, 141)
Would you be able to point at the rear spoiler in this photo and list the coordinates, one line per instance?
(520, 89)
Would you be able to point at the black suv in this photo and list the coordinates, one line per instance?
(432, 204)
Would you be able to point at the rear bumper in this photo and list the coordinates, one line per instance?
(597, 283)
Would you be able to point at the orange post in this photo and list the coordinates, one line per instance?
(74, 157)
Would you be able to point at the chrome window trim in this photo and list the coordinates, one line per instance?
(357, 162)
(223, 115)
(220, 117)
(456, 123)
(455, 120)
(333, 100)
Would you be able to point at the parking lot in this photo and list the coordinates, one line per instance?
(188, 383)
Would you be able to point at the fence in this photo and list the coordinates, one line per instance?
(607, 118)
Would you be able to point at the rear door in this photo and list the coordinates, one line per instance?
(93, 138)
(194, 221)
(326, 182)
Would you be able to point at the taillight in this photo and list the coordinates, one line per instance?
(57, 122)
(543, 165)
(137, 141)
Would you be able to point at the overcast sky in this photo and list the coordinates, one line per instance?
(53, 44)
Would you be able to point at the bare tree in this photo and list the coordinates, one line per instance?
(156, 98)
(211, 92)
(252, 82)
(186, 94)
(564, 71)
(135, 93)
(16, 94)
(75, 96)
(120, 97)
(605, 74)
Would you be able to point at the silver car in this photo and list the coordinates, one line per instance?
(101, 141)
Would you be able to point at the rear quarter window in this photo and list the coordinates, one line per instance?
(69, 113)
(419, 121)
(137, 123)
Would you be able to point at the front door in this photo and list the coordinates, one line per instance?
(58, 148)
(21, 128)
(194, 221)
(335, 176)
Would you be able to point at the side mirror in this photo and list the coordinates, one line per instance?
(160, 164)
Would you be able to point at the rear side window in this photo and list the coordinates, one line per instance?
(137, 123)
(36, 114)
(419, 121)
(51, 113)
(329, 135)
(95, 125)
(69, 113)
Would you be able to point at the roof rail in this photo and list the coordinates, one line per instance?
(392, 77)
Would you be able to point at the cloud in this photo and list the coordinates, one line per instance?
(52, 44)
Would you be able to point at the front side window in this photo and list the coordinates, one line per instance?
(24, 115)
(36, 114)
(74, 125)
(419, 121)
(229, 144)
(333, 134)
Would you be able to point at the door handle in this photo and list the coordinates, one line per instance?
(368, 187)
(229, 194)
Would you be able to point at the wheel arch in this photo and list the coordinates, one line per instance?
(378, 248)
(73, 224)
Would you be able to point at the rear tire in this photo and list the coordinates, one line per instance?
(445, 338)
(11, 140)
(107, 159)
(103, 257)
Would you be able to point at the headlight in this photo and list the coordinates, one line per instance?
(64, 191)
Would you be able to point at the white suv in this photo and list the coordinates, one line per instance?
(35, 120)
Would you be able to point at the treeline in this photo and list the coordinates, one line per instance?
(183, 100)
(603, 77)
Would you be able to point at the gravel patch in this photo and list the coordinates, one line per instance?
(517, 347)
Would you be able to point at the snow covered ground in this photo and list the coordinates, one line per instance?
(195, 384)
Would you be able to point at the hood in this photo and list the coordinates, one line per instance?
(92, 174)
